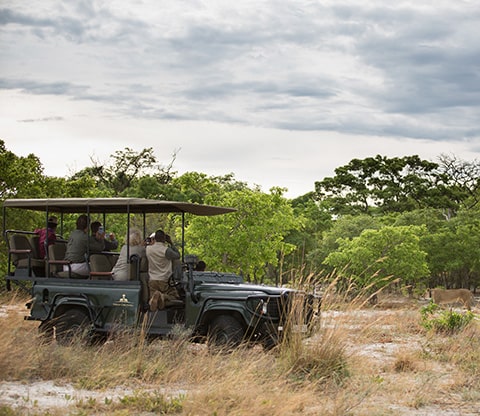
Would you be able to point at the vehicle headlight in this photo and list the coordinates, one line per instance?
(258, 305)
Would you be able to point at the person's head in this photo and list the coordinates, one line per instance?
(160, 236)
(201, 266)
(135, 237)
(82, 222)
(52, 222)
(94, 226)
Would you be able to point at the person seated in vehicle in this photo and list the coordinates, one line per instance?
(47, 234)
(122, 270)
(111, 242)
(201, 266)
(160, 254)
(78, 245)
(134, 246)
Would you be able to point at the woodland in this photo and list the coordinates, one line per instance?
(401, 222)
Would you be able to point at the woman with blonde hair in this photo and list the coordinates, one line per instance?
(134, 246)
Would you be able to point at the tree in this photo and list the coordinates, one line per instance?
(198, 187)
(381, 185)
(376, 257)
(121, 176)
(20, 177)
(454, 252)
(343, 228)
(463, 180)
(314, 220)
(245, 241)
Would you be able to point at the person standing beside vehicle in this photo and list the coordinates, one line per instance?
(161, 254)
(78, 246)
(47, 234)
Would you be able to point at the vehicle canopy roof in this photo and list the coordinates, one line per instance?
(114, 205)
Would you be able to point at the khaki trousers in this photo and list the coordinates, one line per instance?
(161, 293)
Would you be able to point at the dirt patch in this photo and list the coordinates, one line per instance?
(52, 394)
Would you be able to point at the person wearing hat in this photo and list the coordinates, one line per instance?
(47, 235)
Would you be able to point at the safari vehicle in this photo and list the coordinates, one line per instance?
(217, 307)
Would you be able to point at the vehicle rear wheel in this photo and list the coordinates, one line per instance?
(226, 332)
(70, 325)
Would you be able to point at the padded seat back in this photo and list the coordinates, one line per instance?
(100, 263)
(57, 262)
(138, 270)
(19, 242)
(35, 243)
(112, 258)
(101, 266)
(56, 252)
(21, 254)
(137, 266)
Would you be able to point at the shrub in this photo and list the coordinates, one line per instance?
(446, 322)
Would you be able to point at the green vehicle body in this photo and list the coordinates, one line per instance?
(215, 306)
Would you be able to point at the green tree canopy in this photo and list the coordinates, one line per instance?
(380, 184)
(20, 177)
(344, 228)
(127, 167)
(377, 255)
(247, 240)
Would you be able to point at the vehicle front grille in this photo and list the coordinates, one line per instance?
(293, 307)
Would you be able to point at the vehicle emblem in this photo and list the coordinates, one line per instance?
(123, 301)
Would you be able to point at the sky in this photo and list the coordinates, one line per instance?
(277, 92)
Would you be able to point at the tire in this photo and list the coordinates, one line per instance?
(71, 325)
(225, 333)
(270, 342)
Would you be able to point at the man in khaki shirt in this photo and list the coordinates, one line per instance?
(160, 254)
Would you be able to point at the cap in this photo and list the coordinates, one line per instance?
(53, 220)
(152, 235)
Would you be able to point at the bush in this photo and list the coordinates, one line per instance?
(446, 322)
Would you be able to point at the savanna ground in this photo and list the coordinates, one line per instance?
(361, 360)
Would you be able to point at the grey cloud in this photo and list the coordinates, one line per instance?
(82, 24)
(42, 27)
(44, 119)
(8, 16)
(37, 87)
(228, 89)
(424, 69)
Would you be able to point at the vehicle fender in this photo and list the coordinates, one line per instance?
(215, 307)
(63, 303)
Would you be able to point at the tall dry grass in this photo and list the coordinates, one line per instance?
(360, 360)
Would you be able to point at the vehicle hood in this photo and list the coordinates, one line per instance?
(240, 290)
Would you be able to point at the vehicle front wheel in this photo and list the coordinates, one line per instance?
(226, 332)
(70, 325)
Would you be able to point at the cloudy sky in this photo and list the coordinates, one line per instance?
(279, 92)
